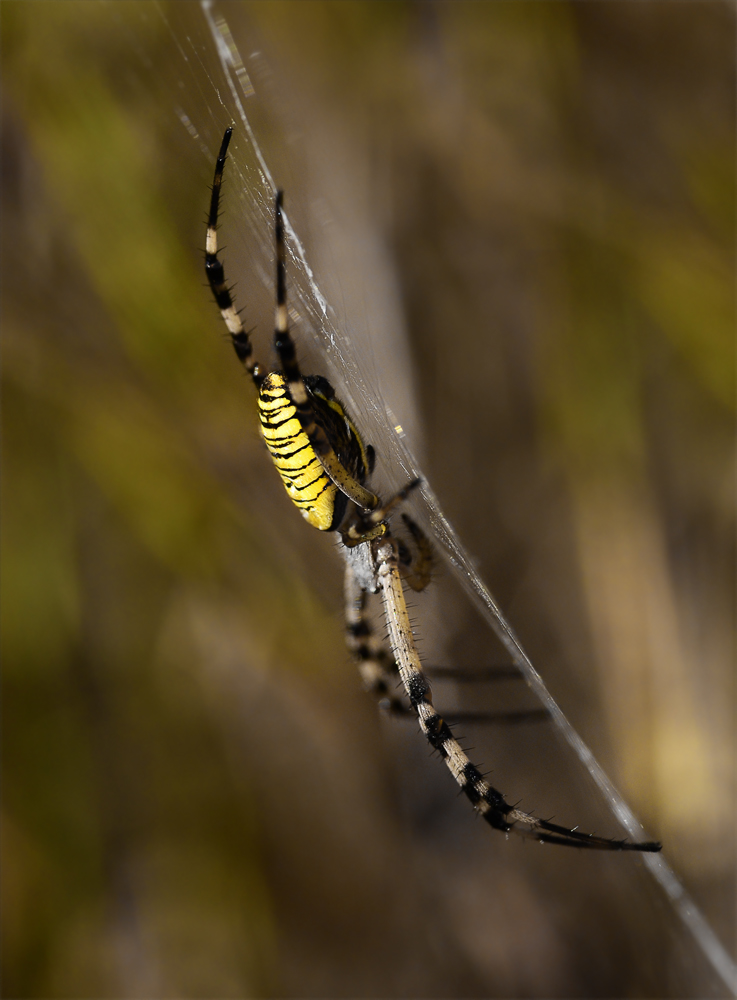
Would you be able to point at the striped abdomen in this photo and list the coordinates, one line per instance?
(304, 478)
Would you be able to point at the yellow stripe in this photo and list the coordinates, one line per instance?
(295, 464)
(289, 429)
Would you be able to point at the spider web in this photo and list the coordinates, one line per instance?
(219, 84)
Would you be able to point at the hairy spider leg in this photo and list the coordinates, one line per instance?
(377, 669)
(216, 274)
(380, 673)
(487, 801)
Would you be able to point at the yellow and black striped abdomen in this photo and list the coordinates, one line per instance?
(303, 476)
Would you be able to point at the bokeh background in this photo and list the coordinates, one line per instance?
(523, 216)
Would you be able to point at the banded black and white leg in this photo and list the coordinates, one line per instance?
(487, 801)
(364, 499)
(216, 274)
(376, 667)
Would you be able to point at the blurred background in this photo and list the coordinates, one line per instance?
(523, 217)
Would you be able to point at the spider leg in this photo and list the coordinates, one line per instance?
(377, 669)
(487, 801)
(216, 274)
(371, 525)
(285, 348)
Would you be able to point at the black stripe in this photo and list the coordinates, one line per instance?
(292, 473)
(358, 629)
(418, 689)
(472, 775)
(242, 346)
(279, 397)
(438, 733)
(216, 277)
(280, 448)
(312, 483)
(308, 503)
(279, 453)
(279, 457)
(496, 816)
(219, 167)
(278, 403)
(286, 441)
(273, 424)
(281, 281)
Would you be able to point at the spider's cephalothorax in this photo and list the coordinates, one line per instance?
(324, 465)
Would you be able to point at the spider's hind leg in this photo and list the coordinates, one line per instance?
(376, 666)
(487, 800)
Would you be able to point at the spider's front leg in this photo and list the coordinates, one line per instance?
(364, 499)
(216, 273)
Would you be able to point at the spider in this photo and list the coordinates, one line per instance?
(324, 464)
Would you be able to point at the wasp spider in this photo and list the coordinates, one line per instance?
(324, 465)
